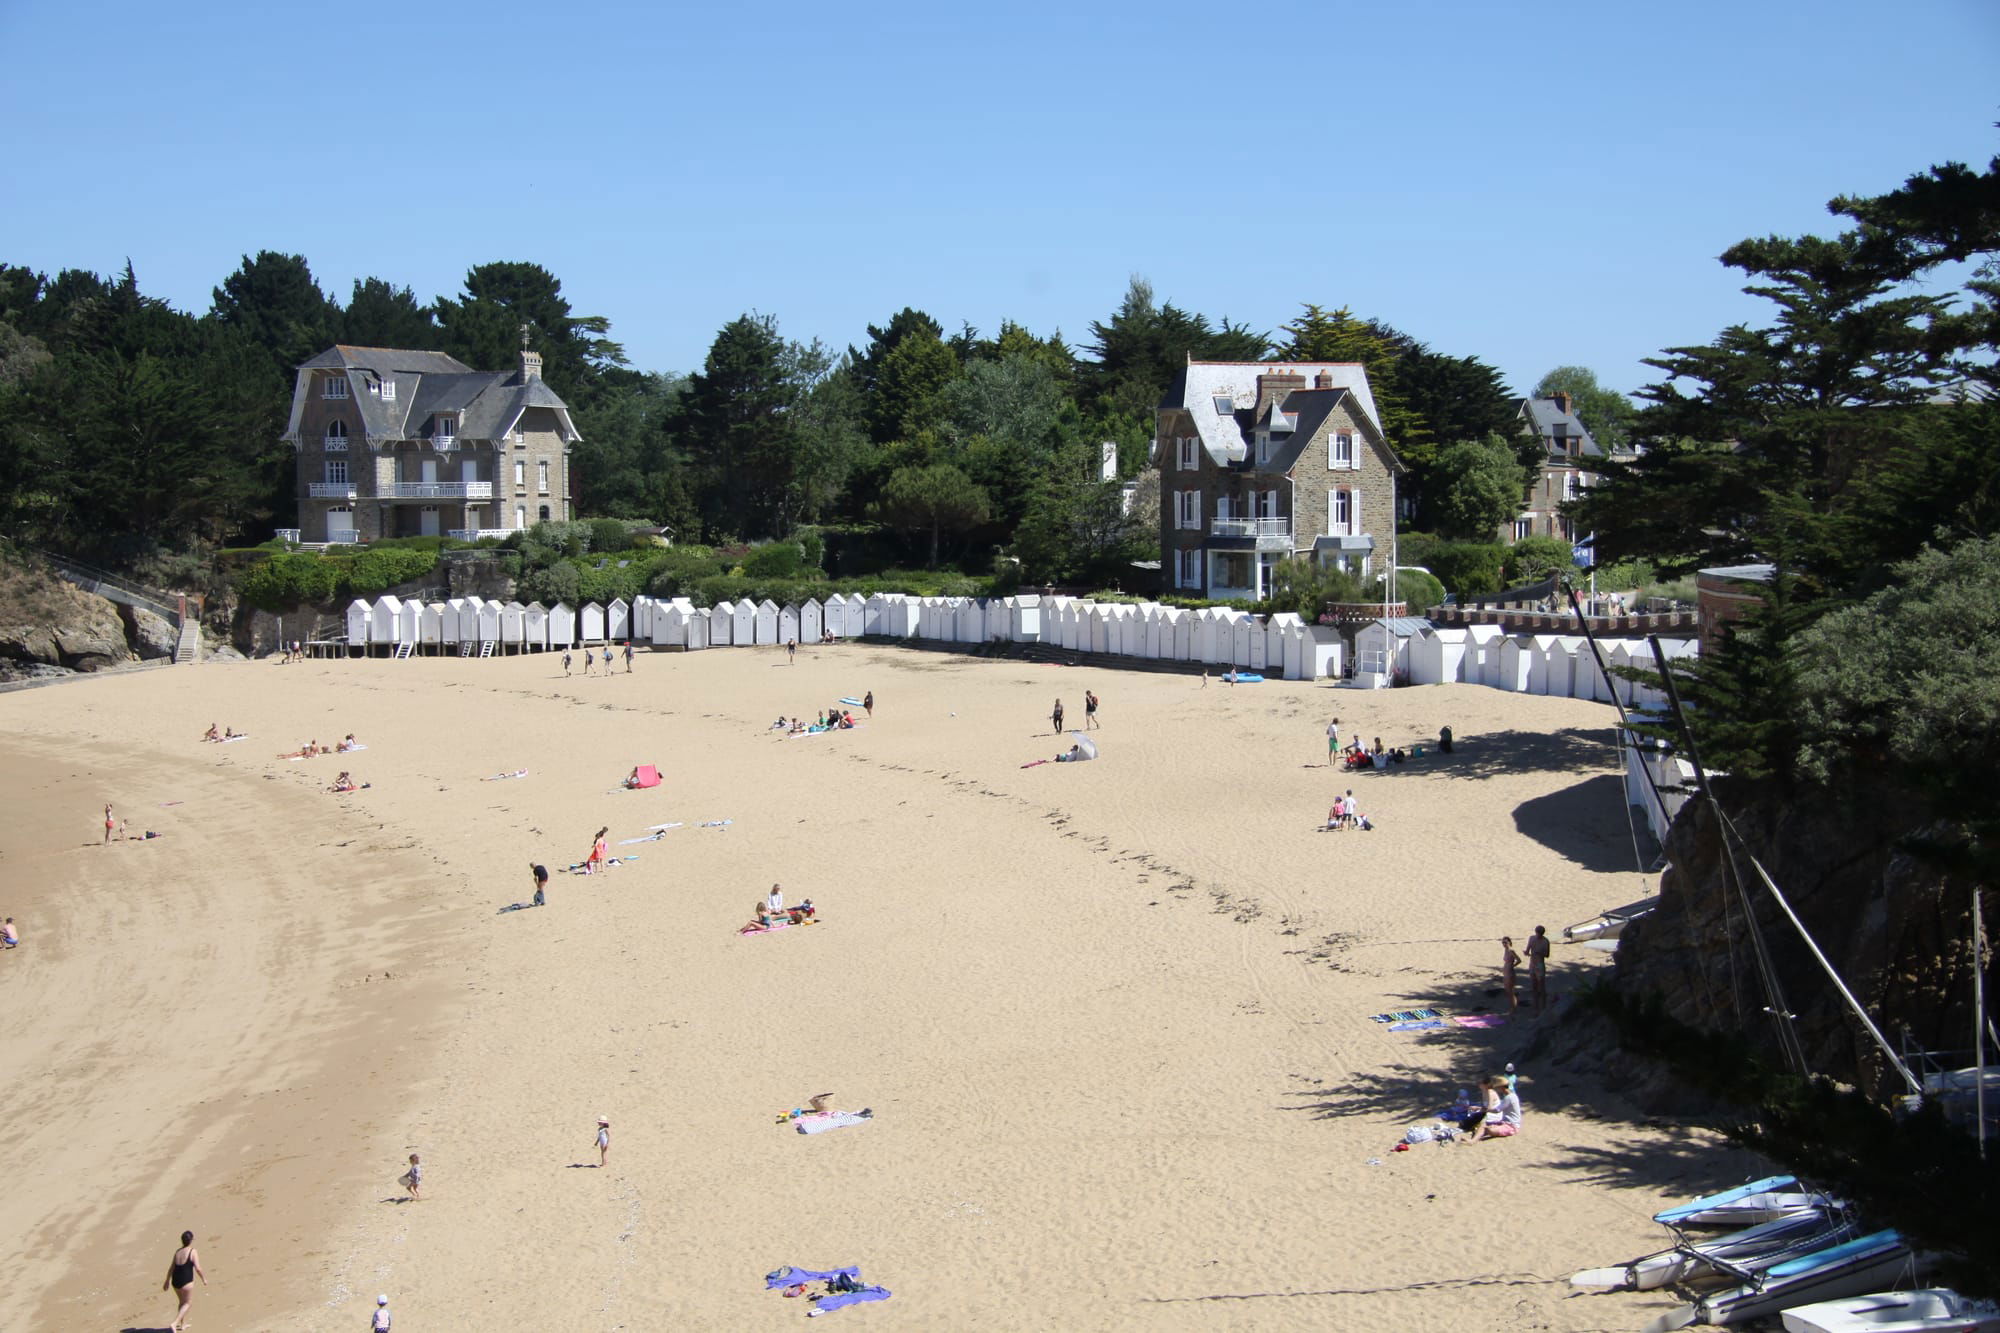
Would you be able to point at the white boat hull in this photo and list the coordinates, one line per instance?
(1928, 1310)
(1759, 1246)
(1846, 1270)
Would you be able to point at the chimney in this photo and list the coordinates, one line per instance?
(1276, 386)
(531, 365)
(1561, 400)
(1323, 380)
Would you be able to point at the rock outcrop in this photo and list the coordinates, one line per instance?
(1894, 923)
(151, 636)
(45, 620)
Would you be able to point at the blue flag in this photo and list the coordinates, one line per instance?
(1584, 553)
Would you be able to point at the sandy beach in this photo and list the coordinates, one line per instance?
(1113, 1019)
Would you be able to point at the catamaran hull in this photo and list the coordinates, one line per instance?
(1759, 1245)
(1929, 1310)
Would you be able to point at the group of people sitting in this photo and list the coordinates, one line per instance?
(1358, 755)
(226, 734)
(771, 911)
(1495, 1115)
(311, 749)
(836, 718)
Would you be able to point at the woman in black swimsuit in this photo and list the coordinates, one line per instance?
(181, 1273)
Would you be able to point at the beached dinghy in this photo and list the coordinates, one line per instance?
(1763, 1200)
(1848, 1269)
(1606, 925)
(1772, 1241)
(1927, 1310)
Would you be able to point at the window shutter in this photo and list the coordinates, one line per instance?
(1354, 501)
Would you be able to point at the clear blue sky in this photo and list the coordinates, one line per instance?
(1534, 185)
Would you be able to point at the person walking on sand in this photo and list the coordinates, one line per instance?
(868, 703)
(1057, 716)
(607, 661)
(565, 661)
(111, 822)
(1332, 739)
(382, 1321)
(182, 1270)
(628, 657)
(791, 651)
(1509, 960)
(1538, 967)
(413, 1179)
(10, 938)
(600, 851)
(587, 655)
(603, 1141)
(1089, 709)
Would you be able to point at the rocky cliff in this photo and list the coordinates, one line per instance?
(1892, 920)
(49, 627)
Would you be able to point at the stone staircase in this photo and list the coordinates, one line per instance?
(188, 647)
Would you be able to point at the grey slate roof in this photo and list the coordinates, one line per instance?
(1225, 438)
(486, 403)
(1544, 416)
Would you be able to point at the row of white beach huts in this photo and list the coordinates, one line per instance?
(1388, 651)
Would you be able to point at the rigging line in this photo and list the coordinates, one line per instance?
(1859, 1012)
(1781, 1013)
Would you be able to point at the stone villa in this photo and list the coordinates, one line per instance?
(398, 443)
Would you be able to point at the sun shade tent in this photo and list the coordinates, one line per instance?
(1086, 748)
(649, 776)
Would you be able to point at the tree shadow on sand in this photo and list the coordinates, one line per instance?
(1576, 822)
(1495, 754)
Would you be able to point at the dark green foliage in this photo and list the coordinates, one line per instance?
(288, 580)
(1535, 558)
(483, 328)
(609, 534)
(1477, 487)
(1418, 590)
(774, 560)
(1469, 569)
(927, 500)
(1136, 355)
(275, 304)
(381, 314)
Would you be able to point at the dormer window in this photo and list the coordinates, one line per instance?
(444, 428)
(334, 386)
(388, 390)
(1263, 448)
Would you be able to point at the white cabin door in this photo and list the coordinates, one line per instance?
(340, 525)
(427, 521)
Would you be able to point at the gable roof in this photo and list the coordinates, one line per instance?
(1543, 416)
(1226, 436)
(487, 404)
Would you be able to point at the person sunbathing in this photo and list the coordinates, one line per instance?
(211, 734)
(346, 783)
(349, 744)
(631, 779)
(761, 921)
(303, 752)
(1075, 754)
(780, 725)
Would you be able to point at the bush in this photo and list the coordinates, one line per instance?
(374, 571)
(560, 582)
(1534, 558)
(1469, 569)
(776, 560)
(609, 534)
(1418, 590)
(285, 581)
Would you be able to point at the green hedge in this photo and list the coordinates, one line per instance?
(291, 579)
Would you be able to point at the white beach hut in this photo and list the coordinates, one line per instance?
(1517, 663)
(1062, 626)
(874, 615)
(764, 623)
(1538, 666)
(468, 621)
(1482, 654)
(382, 613)
(833, 618)
(1093, 635)
(1185, 625)
(535, 627)
(939, 618)
(618, 620)
(1382, 649)
(743, 626)
(430, 626)
(514, 626)
(999, 619)
(1278, 627)
(1133, 629)
(902, 616)
(590, 623)
(1293, 660)
(449, 620)
(1325, 652)
(1206, 621)
(562, 627)
(643, 610)
(722, 624)
(969, 622)
(788, 624)
(410, 623)
(1242, 629)
(696, 628)
(1585, 679)
(1558, 662)
(489, 623)
(812, 620)
(358, 616)
(1677, 651)
(382, 619)
(669, 624)
(1024, 618)
(1437, 656)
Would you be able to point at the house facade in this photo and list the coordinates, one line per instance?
(396, 443)
(1568, 452)
(1262, 460)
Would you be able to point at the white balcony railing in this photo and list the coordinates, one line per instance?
(342, 537)
(334, 444)
(438, 490)
(289, 535)
(330, 490)
(475, 534)
(1250, 527)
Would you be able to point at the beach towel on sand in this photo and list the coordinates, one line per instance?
(780, 924)
(810, 1123)
(788, 1277)
(1420, 1025)
(853, 703)
(1405, 1016)
(1481, 1020)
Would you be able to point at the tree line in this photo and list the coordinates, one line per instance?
(128, 427)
